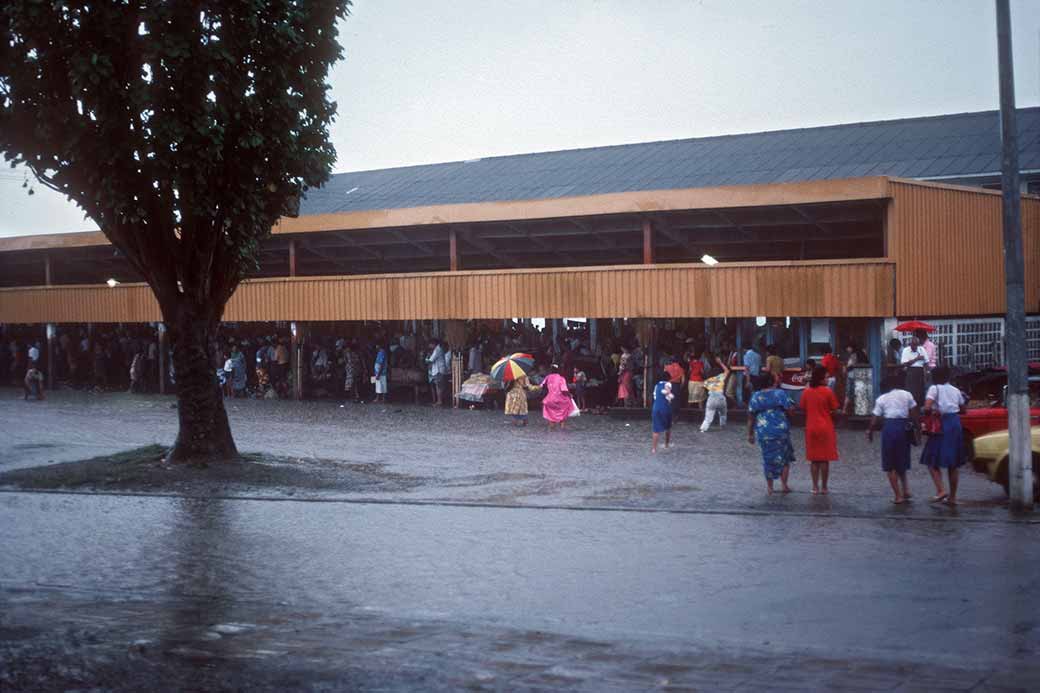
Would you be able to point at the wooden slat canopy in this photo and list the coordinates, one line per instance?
(854, 288)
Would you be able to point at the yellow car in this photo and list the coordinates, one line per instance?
(991, 458)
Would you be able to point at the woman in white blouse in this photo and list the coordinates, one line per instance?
(946, 449)
(898, 410)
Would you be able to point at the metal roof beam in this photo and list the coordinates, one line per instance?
(663, 225)
(722, 215)
(353, 244)
(808, 218)
(340, 263)
(422, 247)
(468, 236)
(545, 247)
(589, 229)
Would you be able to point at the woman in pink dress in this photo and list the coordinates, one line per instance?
(626, 393)
(557, 404)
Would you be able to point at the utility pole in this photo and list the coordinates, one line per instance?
(1020, 464)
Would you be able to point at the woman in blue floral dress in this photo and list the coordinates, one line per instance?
(767, 420)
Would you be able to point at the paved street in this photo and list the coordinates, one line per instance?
(508, 597)
(519, 590)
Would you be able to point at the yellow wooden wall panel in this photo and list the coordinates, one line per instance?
(831, 289)
(947, 244)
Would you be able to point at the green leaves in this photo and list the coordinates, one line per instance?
(185, 130)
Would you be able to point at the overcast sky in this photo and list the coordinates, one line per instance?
(427, 82)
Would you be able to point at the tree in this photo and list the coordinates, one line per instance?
(184, 129)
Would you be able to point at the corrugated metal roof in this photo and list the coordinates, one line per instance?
(964, 144)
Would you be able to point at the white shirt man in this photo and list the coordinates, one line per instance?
(34, 354)
(436, 361)
(910, 354)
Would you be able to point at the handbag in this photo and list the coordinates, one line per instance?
(931, 423)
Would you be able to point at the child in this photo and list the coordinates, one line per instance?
(661, 414)
(33, 383)
(580, 380)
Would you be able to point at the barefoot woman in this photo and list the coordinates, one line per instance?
(821, 442)
(898, 410)
(767, 419)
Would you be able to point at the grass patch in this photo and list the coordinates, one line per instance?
(104, 468)
(143, 470)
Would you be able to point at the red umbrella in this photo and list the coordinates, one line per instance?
(913, 326)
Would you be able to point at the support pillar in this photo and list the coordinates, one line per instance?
(648, 242)
(162, 358)
(295, 362)
(453, 250)
(292, 258)
(804, 328)
(51, 332)
(555, 332)
(875, 353)
(593, 334)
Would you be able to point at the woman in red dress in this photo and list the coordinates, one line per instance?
(821, 442)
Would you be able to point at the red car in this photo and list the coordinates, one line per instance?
(987, 408)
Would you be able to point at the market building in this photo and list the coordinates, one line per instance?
(826, 234)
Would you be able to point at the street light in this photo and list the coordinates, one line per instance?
(709, 260)
(112, 283)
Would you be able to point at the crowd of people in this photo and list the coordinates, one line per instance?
(916, 397)
(916, 400)
(125, 357)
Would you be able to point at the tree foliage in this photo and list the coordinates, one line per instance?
(183, 128)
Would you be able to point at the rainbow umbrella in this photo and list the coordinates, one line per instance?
(512, 367)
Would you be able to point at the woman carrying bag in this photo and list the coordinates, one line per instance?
(943, 405)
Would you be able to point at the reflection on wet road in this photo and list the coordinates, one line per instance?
(839, 586)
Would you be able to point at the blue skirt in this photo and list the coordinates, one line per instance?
(946, 450)
(661, 418)
(895, 446)
(777, 453)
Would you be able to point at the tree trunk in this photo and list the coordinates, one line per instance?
(205, 435)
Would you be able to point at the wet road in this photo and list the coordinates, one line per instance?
(694, 578)
(925, 591)
(478, 457)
